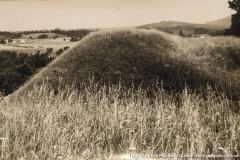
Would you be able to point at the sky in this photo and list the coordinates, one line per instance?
(69, 14)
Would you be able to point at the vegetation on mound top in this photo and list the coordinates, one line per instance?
(139, 57)
(217, 57)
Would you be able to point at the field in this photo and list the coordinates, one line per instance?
(186, 32)
(35, 35)
(32, 46)
(2, 37)
(128, 91)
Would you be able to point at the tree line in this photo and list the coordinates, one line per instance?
(71, 33)
(15, 68)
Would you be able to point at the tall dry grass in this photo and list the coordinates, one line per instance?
(111, 120)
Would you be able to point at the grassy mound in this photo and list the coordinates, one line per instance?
(139, 57)
(99, 123)
(130, 55)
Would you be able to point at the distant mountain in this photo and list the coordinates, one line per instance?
(224, 22)
(164, 24)
(213, 25)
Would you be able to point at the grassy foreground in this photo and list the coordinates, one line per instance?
(102, 123)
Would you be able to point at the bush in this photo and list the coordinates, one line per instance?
(42, 36)
(74, 39)
(59, 52)
(66, 48)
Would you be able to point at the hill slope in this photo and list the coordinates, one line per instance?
(224, 22)
(183, 25)
(164, 24)
(140, 57)
(109, 55)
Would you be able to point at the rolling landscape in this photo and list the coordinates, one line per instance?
(165, 90)
(31, 42)
(212, 27)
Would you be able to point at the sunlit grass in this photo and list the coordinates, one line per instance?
(113, 121)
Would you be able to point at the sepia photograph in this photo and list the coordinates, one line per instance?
(119, 79)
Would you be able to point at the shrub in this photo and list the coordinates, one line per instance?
(42, 36)
(74, 39)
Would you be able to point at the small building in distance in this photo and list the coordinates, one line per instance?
(204, 35)
(199, 35)
(19, 41)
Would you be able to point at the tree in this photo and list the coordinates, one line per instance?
(181, 34)
(10, 79)
(235, 27)
(49, 51)
(25, 70)
(60, 51)
(66, 48)
(234, 4)
(3, 42)
(74, 39)
(42, 36)
(15, 68)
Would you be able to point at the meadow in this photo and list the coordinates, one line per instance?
(32, 46)
(128, 91)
